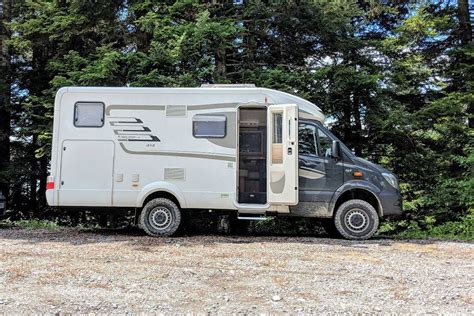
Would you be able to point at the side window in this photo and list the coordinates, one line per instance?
(277, 138)
(307, 140)
(325, 144)
(89, 114)
(209, 126)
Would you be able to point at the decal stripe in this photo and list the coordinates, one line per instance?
(163, 107)
(179, 154)
(133, 107)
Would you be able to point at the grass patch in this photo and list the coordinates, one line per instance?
(88, 227)
(36, 224)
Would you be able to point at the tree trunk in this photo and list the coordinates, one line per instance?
(33, 203)
(464, 22)
(221, 63)
(5, 90)
(43, 163)
(357, 123)
(465, 37)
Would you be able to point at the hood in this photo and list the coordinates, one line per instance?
(370, 165)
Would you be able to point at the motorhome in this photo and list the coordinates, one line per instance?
(254, 151)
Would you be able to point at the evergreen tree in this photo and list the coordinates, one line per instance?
(5, 94)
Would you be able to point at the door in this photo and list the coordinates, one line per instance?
(320, 175)
(282, 154)
(86, 173)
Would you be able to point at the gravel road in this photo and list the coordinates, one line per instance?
(72, 271)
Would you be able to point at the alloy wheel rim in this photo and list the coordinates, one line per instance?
(356, 220)
(160, 218)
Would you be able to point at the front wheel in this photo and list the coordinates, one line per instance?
(160, 217)
(356, 219)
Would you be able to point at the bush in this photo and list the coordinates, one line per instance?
(461, 230)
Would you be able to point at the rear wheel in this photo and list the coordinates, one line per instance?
(356, 219)
(160, 217)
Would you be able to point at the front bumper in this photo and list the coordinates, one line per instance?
(392, 205)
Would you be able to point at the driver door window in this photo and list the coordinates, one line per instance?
(325, 145)
(307, 140)
(313, 142)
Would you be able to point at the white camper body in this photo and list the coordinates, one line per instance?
(116, 147)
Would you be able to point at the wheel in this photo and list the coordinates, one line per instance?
(356, 219)
(160, 217)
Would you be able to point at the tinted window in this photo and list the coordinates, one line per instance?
(209, 126)
(325, 144)
(89, 114)
(277, 138)
(277, 128)
(307, 140)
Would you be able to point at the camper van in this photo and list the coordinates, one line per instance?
(253, 151)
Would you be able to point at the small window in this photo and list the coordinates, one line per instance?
(209, 126)
(89, 114)
(307, 140)
(277, 128)
(277, 138)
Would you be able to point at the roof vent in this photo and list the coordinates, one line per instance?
(240, 85)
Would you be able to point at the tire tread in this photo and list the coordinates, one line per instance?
(338, 221)
(151, 205)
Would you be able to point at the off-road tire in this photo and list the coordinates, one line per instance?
(160, 217)
(356, 219)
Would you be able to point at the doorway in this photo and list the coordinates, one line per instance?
(252, 172)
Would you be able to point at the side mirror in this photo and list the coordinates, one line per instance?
(336, 150)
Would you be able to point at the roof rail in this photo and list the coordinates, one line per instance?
(226, 85)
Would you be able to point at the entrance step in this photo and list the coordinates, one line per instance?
(252, 217)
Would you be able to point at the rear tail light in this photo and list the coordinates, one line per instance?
(50, 183)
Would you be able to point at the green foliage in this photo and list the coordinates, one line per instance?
(462, 229)
(36, 224)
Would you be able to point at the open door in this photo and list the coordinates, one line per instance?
(282, 154)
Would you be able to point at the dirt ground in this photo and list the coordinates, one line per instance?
(72, 271)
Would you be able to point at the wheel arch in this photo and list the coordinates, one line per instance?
(357, 190)
(160, 190)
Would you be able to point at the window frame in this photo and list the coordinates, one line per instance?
(318, 126)
(207, 136)
(320, 151)
(88, 126)
(316, 139)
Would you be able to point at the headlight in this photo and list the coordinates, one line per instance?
(390, 178)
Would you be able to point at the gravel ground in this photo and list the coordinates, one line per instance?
(69, 271)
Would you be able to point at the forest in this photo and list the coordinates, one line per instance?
(395, 79)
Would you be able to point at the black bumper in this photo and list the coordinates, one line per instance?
(392, 205)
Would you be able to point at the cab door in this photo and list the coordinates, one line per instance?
(282, 154)
(320, 174)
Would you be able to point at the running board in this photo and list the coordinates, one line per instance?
(252, 218)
